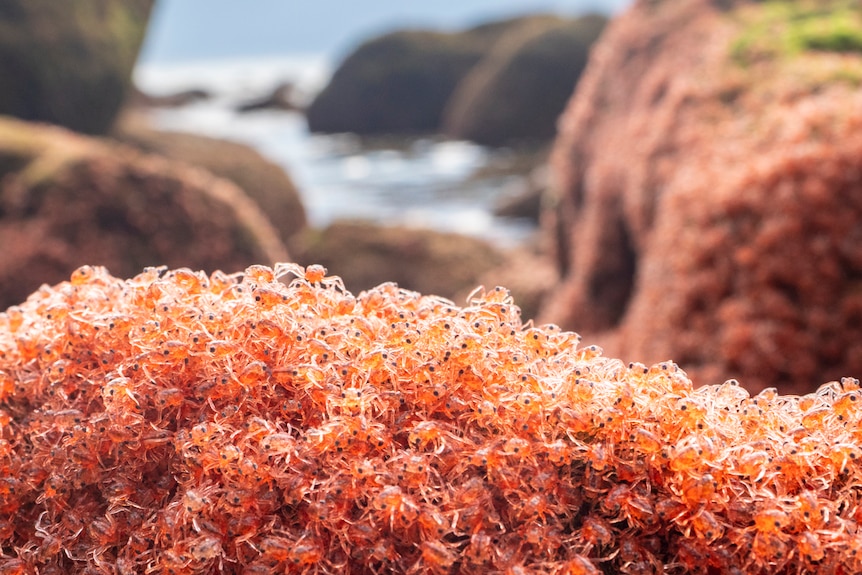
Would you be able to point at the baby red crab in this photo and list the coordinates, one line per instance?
(315, 273)
(396, 506)
(429, 433)
(436, 558)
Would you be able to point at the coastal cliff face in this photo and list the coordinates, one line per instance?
(708, 191)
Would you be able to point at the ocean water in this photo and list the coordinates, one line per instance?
(429, 183)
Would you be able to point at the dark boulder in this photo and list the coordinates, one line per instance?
(138, 98)
(281, 98)
(519, 89)
(69, 63)
(400, 83)
(395, 84)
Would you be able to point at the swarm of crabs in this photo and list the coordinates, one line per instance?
(272, 422)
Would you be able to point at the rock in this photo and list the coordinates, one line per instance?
(341, 433)
(527, 272)
(519, 89)
(262, 180)
(365, 254)
(69, 63)
(523, 198)
(281, 98)
(400, 83)
(138, 98)
(395, 84)
(67, 200)
(708, 189)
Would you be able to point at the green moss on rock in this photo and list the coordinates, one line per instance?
(724, 199)
(782, 29)
(69, 63)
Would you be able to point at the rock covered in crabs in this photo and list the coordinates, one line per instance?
(271, 421)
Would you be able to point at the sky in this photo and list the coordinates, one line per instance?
(189, 30)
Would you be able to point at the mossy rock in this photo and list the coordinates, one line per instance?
(365, 255)
(519, 89)
(69, 63)
(395, 84)
(799, 46)
(262, 180)
(68, 200)
(400, 83)
(781, 29)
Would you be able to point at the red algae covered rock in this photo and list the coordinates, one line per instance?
(259, 422)
(709, 176)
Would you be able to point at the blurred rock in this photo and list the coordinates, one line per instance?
(708, 191)
(365, 255)
(448, 265)
(69, 63)
(263, 181)
(518, 90)
(523, 199)
(138, 98)
(395, 84)
(528, 273)
(400, 83)
(67, 200)
(281, 98)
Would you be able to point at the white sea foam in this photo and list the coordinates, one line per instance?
(237, 77)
